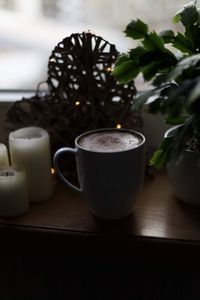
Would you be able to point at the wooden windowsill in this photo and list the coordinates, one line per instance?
(64, 225)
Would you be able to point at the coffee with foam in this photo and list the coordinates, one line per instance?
(110, 141)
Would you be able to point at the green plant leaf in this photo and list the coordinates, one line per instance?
(141, 99)
(136, 53)
(149, 57)
(153, 42)
(181, 43)
(192, 33)
(183, 65)
(166, 58)
(176, 18)
(161, 156)
(158, 159)
(150, 70)
(160, 79)
(187, 15)
(126, 71)
(181, 137)
(174, 100)
(175, 120)
(136, 29)
(121, 59)
(195, 94)
(167, 36)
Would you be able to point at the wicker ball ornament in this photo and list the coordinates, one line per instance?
(80, 68)
(80, 71)
(82, 93)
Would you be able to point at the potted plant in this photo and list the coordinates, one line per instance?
(170, 62)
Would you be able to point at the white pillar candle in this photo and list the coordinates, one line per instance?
(30, 150)
(4, 162)
(13, 192)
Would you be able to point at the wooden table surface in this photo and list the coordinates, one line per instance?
(64, 224)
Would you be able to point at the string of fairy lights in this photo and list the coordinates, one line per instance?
(78, 103)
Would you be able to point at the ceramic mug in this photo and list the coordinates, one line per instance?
(110, 181)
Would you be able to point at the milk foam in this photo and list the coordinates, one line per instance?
(110, 141)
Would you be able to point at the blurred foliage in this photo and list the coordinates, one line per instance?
(170, 62)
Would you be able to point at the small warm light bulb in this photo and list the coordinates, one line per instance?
(119, 126)
(77, 103)
(52, 171)
(109, 69)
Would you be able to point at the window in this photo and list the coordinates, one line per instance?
(30, 29)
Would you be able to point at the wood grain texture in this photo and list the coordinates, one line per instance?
(64, 223)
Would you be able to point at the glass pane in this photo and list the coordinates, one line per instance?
(30, 29)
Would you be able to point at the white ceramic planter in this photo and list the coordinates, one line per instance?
(184, 175)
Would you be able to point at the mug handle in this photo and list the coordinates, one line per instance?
(56, 166)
